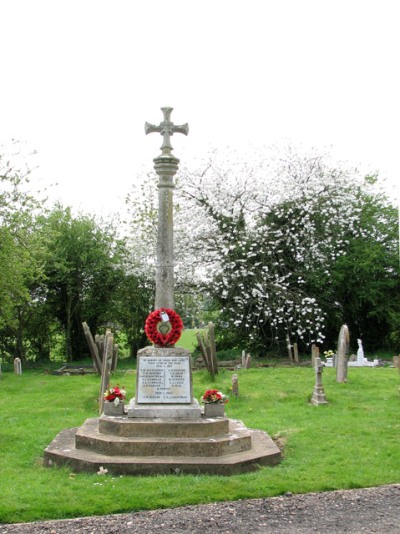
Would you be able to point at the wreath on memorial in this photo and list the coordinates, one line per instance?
(163, 327)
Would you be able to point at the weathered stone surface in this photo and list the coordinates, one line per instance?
(262, 451)
(214, 409)
(193, 428)
(189, 409)
(88, 437)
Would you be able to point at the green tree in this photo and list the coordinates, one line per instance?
(22, 253)
(293, 246)
(83, 272)
(365, 282)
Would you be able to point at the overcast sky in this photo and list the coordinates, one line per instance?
(79, 78)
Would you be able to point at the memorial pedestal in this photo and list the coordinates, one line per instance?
(214, 409)
(164, 386)
(109, 408)
(167, 433)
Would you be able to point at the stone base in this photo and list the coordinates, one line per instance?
(109, 408)
(318, 396)
(143, 447)
(214, 409)
(164, 411)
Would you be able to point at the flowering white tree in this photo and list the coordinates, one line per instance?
(262, 239)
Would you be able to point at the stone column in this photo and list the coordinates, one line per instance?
(165, 167)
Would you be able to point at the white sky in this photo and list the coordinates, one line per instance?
(79, 78)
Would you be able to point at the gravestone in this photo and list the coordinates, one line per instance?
(17, 366)
(314, 354)
(296, 352)
(318, 396)
(360, 353)
(235, 385)
(342, 352)
(94, 350)
(208, 350)
(289, 349)
(108, 350)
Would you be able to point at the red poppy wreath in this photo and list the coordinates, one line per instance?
(163, 327)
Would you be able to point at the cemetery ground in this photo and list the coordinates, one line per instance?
(352, 442)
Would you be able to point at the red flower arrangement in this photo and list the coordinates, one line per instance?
(115, 394)
(163, 327)
(214, 396)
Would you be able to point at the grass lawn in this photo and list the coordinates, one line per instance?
(352, 442)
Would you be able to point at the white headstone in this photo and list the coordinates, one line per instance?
(360, 353)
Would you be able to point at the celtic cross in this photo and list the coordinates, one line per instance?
(166, 128)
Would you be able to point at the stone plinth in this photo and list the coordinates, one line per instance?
(142, 447)
(319, 396)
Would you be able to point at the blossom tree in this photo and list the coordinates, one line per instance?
(262, 239)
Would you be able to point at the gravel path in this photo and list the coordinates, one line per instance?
(368, 510)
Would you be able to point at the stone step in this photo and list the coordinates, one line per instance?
(237, 440)
(62, 452)
(169, 428)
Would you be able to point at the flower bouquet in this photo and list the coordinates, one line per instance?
(114, 400)
(214, 396)
(214, 403)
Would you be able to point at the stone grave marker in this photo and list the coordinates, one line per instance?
(342, 352)
(314, 354)
(289, 349)
(108, 349)
(318, 396)
(235, 385)
(94, 351)
(17, 366)
(296, 352)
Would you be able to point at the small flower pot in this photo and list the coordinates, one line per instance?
(109, 408)
(214, 409)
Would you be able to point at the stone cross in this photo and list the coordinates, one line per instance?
(166, 166)
(166, 128)
(318, 396)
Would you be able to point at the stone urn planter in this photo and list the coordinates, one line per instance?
(109, 408)
(214, 409)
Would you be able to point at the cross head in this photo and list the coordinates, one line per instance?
(166, 128)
